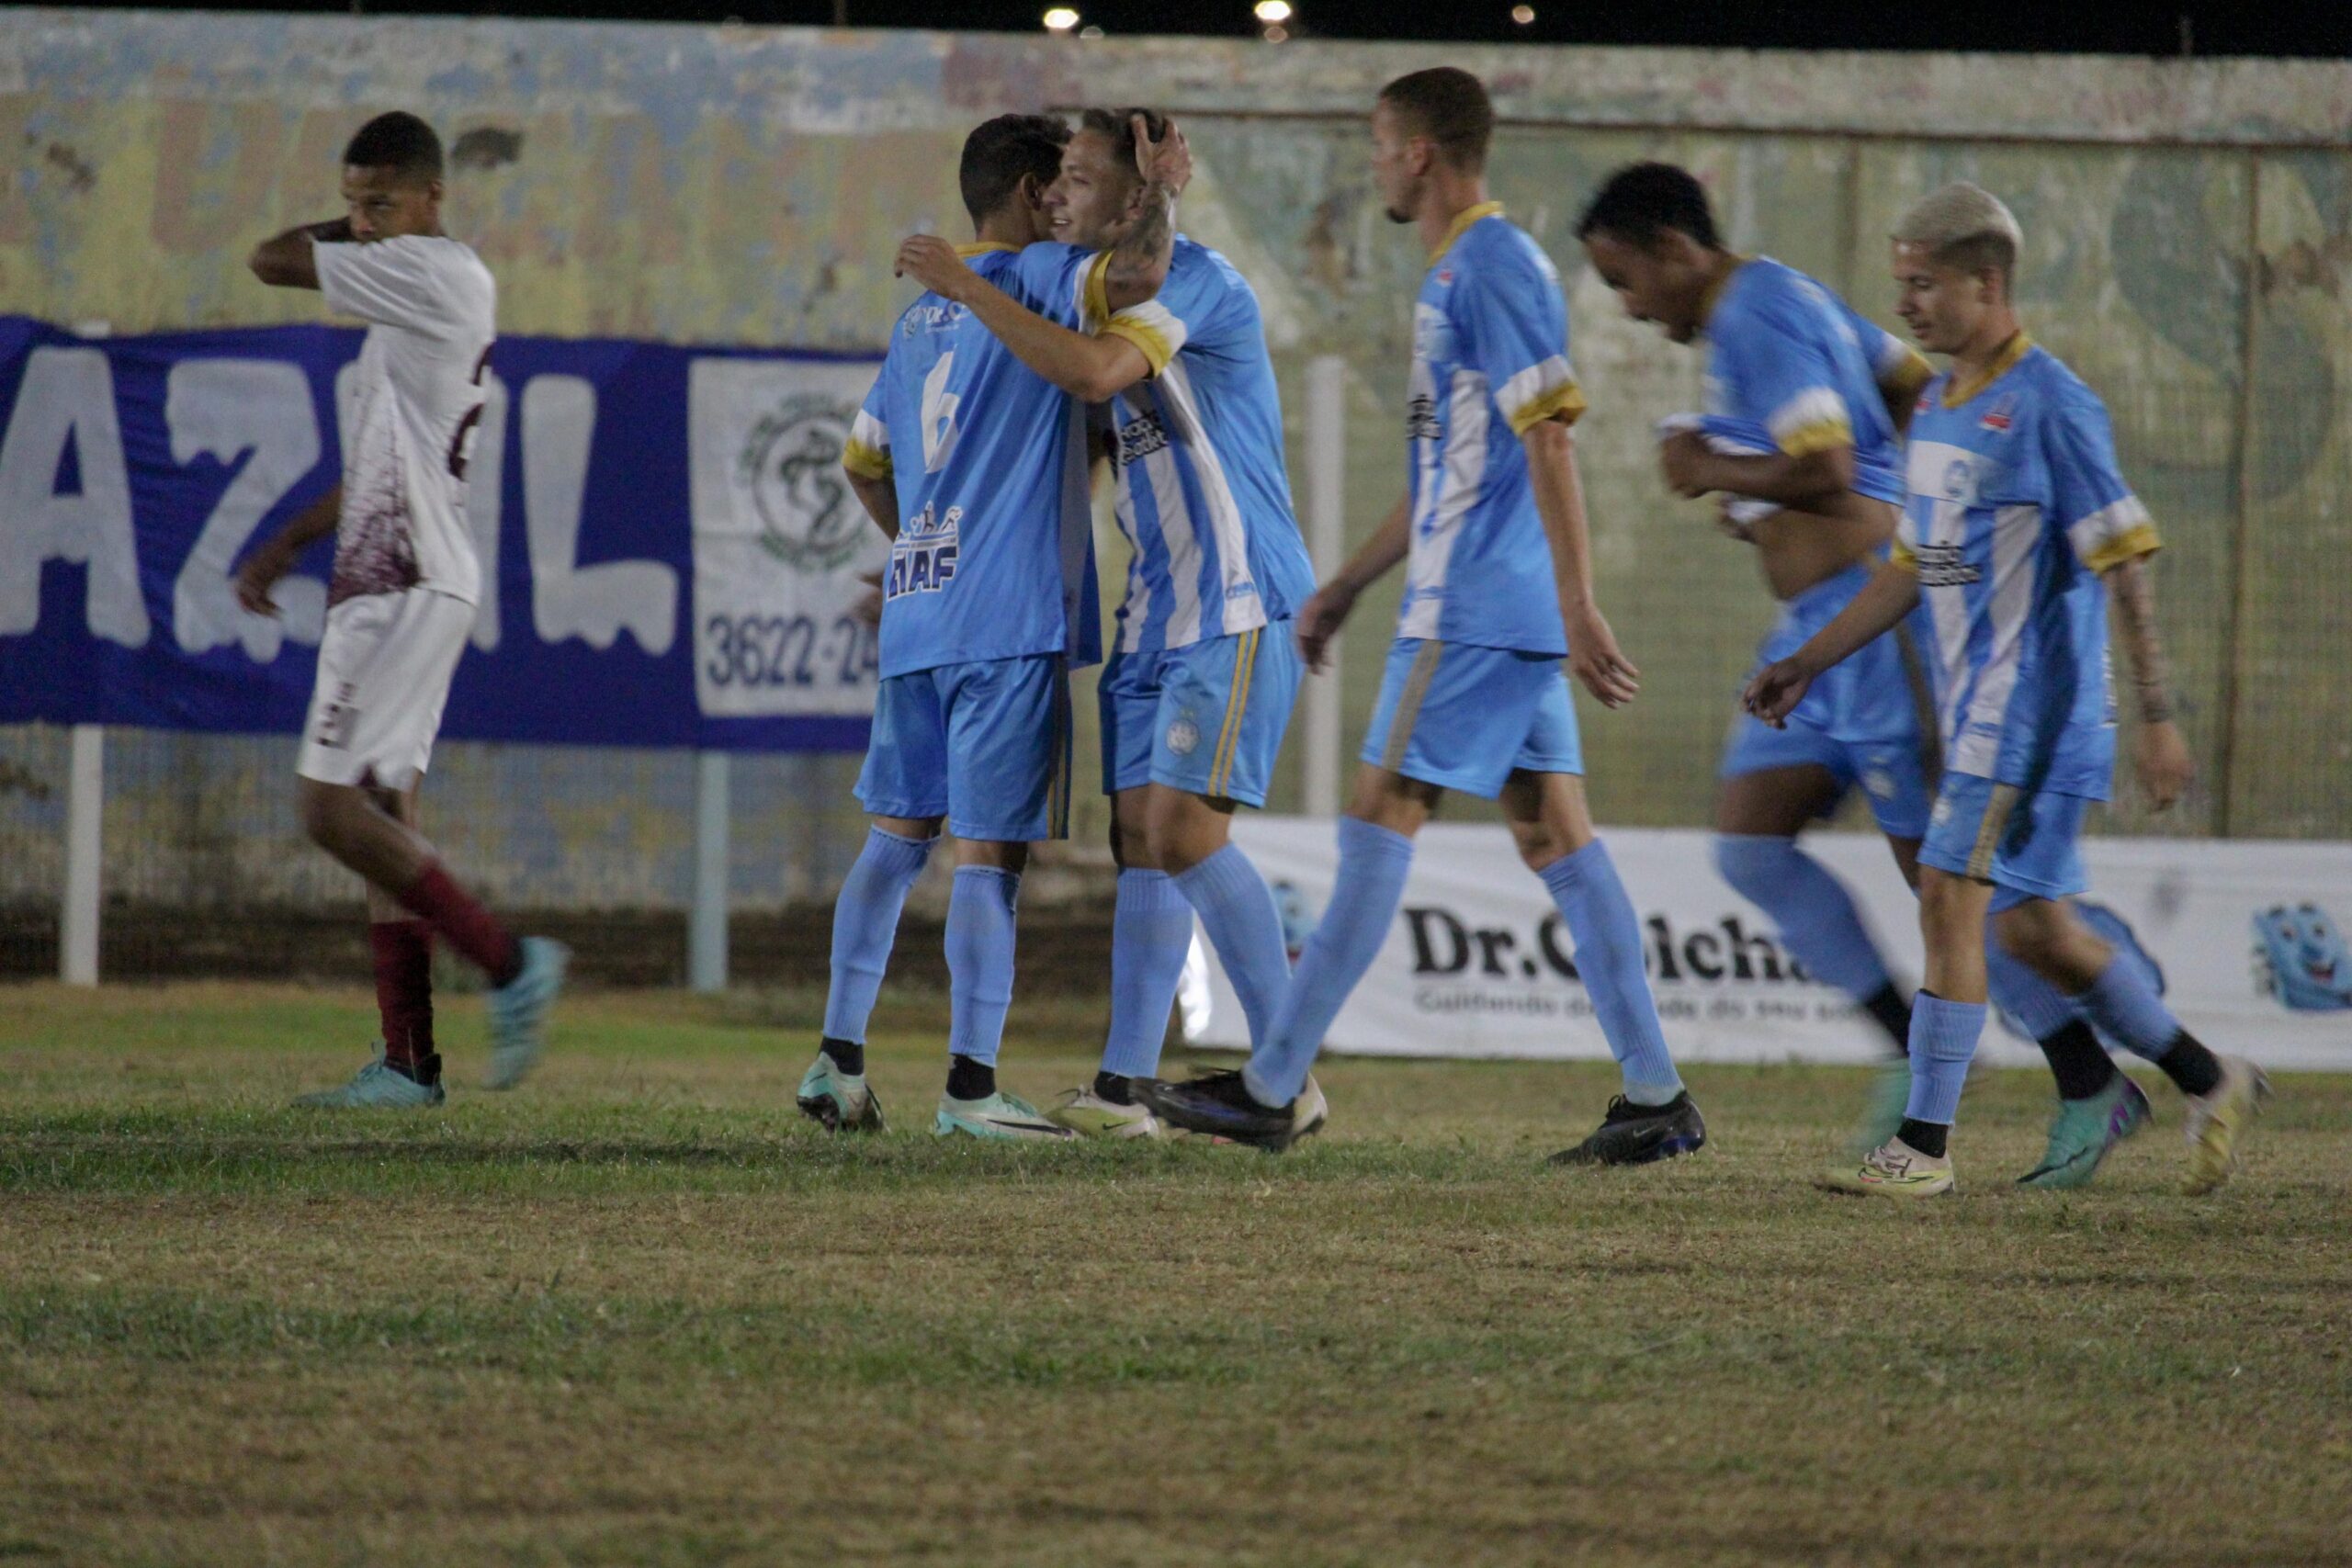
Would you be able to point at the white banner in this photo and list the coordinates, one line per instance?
(1477, 962)
(780, 540)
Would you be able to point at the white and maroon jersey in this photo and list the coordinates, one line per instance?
(431, 310)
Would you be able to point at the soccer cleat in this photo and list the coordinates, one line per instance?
(2217, 1120)
(2083, 1131)
(518, 1011)
(376, 1086)
(1090, 1115)
(1895, 1169)
(1890, 1094)
(1000, 1115)
(1219, 1105)
(1640, 1135)
(841, 1101)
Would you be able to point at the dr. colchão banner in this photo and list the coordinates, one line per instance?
(670, 552)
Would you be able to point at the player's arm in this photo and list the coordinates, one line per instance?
(881, 498)
(290, 261)
(1901, 372)
(1327, 609)
(1889, 595)
(1593, 656)
(277, 558)
(1138, 264)
(1088, 369)
(2160, 753)
(1803, 477)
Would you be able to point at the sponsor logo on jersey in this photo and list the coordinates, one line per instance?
(1420, 418)
(2001, 415)
(1140, 437)
(1945, 566)
(922, 557)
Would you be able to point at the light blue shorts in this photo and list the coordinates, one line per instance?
(1860, 719)
(984, 745)
(1466, 718)
(2027, 846)
(1208, 718)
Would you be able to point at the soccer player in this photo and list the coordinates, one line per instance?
(1806, 401)
(977, 468)
(400, 605)
(1199, 687)
(1498, 592)
(2018, 530)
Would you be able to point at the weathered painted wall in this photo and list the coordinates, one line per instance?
(2190, 228)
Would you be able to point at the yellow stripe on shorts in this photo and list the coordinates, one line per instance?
(1228, 740)
(1988, 837)
(1409, 706)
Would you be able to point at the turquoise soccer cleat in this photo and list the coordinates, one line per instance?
(376, 1086)
(843, 1102)
(519, 1009)
(1000, 1115)
(2083, 1131)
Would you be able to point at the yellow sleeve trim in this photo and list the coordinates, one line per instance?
(1901, 555)
(2137, 540)
(1827, 436)
(1563, 403)
(1097, 302)
(864, 461)
(1907, 377)
(1157, 350)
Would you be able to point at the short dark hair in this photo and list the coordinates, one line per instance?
(1450, 107)
(1000, 151)
(397, 141)
(1642, 201)
(1119, 125)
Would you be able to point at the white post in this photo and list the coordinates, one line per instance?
(706, 925)
(1327, 542)
(85, 804)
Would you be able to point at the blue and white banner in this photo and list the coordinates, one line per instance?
(674, 550)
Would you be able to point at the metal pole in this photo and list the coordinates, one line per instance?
(85, 804)
(706, 925)
(1327, 542)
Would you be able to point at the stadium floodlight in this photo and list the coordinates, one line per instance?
(1523, 15)
(1274, 12)
(1060, 19)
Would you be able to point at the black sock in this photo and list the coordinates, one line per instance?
(1116, 1087)
(2077, 1061)
(1927, 1138)
(427, 1070)
(968, 1079)
(848, 1056)
(1893, 1014)
(2192, 1068)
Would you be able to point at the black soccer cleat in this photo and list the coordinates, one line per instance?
(1640, 1135)
(1219, 1105)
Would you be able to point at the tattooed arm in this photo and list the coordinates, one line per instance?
(2159, 753)
(1138, 263)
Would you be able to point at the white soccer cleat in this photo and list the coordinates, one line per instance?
(1090, 1115)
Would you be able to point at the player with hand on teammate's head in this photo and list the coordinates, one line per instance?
(2018, 530)
(976, 466)
(1204, 668)
(1498, 590)
(400, 605)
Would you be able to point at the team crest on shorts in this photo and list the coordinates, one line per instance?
(1183, 737)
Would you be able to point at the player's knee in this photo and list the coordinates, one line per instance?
(326, 812)
(1539, 844)
(1754, 864)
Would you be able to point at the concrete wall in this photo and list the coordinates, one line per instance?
(2190, 228)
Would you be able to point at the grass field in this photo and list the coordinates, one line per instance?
(639, 1313)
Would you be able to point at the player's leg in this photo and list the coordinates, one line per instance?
(1008, 786)
(402, 946)
(1654, 1117)
(384, 671)
(903, 785)
(2048, 936)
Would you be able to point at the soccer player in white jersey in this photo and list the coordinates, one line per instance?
(2018, 531)
(1805, 402)
(402, 601)
(976, 466)
(1200, 685)
(1498, 590)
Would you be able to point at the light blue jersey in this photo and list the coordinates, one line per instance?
(1203, 494)
(994, 558)
(1490, 359)
(1791, 360)
(2015, 506)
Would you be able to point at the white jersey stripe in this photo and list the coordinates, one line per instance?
(1239, 607)
(1464, 475)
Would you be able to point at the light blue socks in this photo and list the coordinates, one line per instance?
(1364, 894)
(1151, 931)
(1815, 914)
(1237, 908)
(866, 922)
(1943, 1041)
(979, 959)
(1609, 959)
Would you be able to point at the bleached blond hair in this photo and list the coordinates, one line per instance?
(1965, 226)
